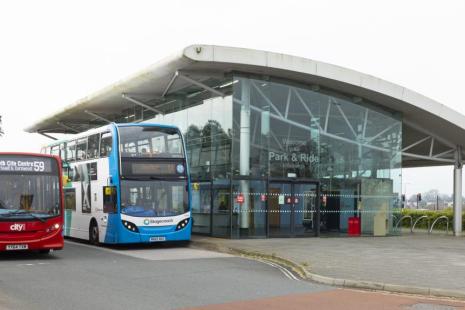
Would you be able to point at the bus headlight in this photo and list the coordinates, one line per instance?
(130, 226)
(54, 227)
(182, 224)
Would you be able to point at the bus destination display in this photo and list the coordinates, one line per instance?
(25, 164)
(153, 168)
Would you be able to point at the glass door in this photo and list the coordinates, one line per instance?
(305, 209)
(293, 209)
(279, 209)
(201, 207)
(221, 208)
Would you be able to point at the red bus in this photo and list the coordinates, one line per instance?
(31, 202)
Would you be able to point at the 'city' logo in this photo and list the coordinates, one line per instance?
(18, 227)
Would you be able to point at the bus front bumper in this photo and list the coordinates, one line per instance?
(54, 241)
(156, 234)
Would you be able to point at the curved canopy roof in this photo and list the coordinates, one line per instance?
(431, 131)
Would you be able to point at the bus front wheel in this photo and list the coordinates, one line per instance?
(93, 233)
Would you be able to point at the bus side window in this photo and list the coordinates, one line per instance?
(63, 151)
(105, 144)
(81, 149)
(55, 150)
(92, 146)
(71, 151)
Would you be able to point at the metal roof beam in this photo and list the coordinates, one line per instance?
(382, 132)
(444, 153)
(68, 127)
(338, 106)
(177, 75)
(302, 101)
(267, 99)
(171, 82)
(428, 133)
(444, 160)
(327, 116)
(431, 147)
(46, 135)
(97, 116)
(199, 84)
(135, 101)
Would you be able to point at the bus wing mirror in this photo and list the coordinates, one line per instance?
(66, 171)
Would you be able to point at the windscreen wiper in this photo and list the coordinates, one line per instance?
(19, 212)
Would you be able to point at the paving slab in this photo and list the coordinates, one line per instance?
(417, 260)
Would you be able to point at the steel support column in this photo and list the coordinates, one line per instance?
(458, 193)
(244, 153)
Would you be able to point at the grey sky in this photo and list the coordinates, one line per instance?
(55, 52)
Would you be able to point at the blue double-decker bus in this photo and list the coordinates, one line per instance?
(126, 183)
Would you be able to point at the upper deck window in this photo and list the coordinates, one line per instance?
(106, 142)
(155, 142)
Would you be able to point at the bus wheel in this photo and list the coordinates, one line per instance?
(93, 233)
(46, 251)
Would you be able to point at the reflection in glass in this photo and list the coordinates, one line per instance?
(266, 129)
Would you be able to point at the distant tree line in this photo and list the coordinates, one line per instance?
(432, 200)
(431, 196)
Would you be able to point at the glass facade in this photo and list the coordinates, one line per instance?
(273, 158)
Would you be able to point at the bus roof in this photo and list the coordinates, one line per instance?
(107, 127)
(28, 154)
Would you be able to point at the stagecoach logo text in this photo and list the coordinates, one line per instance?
(18, 227)
(157, 221)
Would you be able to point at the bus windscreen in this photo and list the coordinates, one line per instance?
(30, 187)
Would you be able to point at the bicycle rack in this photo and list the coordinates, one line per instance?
(419, 219)
(405, 217)
(436, 220)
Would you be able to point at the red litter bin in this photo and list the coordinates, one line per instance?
(354, 227)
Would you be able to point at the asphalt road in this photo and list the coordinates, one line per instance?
(172, 277)
(160, 277)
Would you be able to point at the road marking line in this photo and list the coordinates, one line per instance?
(283, 270)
